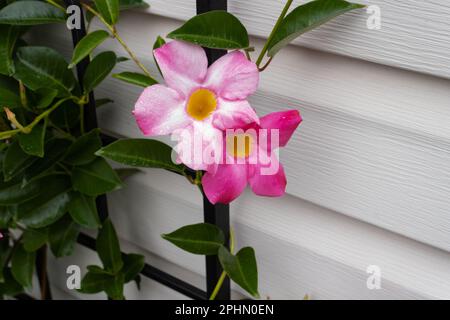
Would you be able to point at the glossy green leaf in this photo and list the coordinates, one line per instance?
(42, 67)
(83, 210)
(9, 286)
(54, 152)
(132, 4)
(132, 265)
(94, 282)
(46, 97)
(141, 153)
(49, 206)
(22, 265)
(305, 18)
(9, 95)
(63, 236)
(98, 69)
(66, 116)
(124, 173)
(83, 149)
(86, 45)
(33, 142)
(214, 29)
(14, 192)
(241, 268)
(8, 38)
(108, 248)
(135, 78)
(159, 43)
(6, 214)
(95, 178)
(16, 161)
(33, 239)
(108, 9)
(31, 13)
(201, 238)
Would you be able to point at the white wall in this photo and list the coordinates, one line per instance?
(368, 170)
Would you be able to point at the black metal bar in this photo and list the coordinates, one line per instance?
(219, 214)
(156, 274)
(41, 270)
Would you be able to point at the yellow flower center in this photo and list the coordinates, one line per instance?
(240, 145)
(201, 104)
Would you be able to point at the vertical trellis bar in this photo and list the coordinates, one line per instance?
(90, 114)
(215, 214)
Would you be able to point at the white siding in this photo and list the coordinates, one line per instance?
(368, 170)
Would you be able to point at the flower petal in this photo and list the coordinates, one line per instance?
(182, 64)
(226, 184)
(285, 121)
(197, 145)
(233, 76)
(270, 185)
(233, 114)
(159, 111)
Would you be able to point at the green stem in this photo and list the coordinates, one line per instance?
(56, 5)
(223, 274)
(119, 39)
(274, 30)
(28, 128)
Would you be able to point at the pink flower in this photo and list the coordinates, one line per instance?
(195, 97)
(226, 181)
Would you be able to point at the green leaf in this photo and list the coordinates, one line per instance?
(31, 13)
(14, 192)
(108, 248)
(241, 268)
(46, 97)
(42, 67)
(214, 29)
(6, 214)
(94, 282)
(201, 238)
(33, 142)
(83, 149)
(66, 115)
(124, 173)
(10, 287)
(55, 150)
(16, 161)
(98, 69)
(9, 96)
(33, 239)
(132, 266)
(86, 45)
(305, 18)
(49, 206)
(108, 9)
(8, 39)
(135, 78)
(83, 210)
(63, 236)
(141, 153)
(22, 266)
(95, 178)
(5, 251)
(159, 43)
(132, 4)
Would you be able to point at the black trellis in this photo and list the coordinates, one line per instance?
(214, 214)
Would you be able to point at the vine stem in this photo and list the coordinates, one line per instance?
(223, 275)
(114, 33)
(272, 34)
(28, 128)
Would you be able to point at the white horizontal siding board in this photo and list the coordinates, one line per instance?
(301, 248)
(414, 33)
(374, 143)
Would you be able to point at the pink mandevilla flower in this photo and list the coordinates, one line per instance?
(226, 181)
(197, 98)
